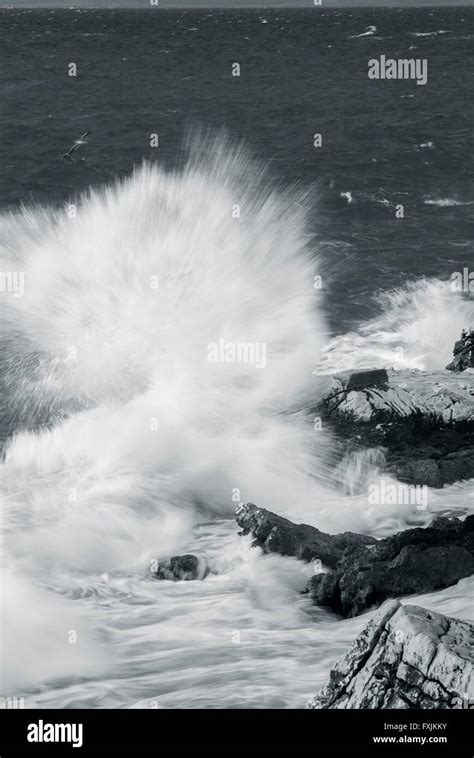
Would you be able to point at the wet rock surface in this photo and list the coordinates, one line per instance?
(366, 571)
(276, 534)
(181, 568)
(406, 657)
(413, 561)
(423, 420)
(463, 353)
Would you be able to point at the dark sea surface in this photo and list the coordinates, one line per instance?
(302, 72)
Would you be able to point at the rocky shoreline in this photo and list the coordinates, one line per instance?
(422, 420)
(275, 534)
(413, 561)
(363, 571)
(407, 656)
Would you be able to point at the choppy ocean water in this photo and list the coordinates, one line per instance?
(302, 72)
(89, 502)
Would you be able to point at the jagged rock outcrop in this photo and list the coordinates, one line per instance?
(463, 353)
(423, 420)
(384, 395)
(276, 534)
(413, 561)
(406, 657)
(367, 571)
(181, 568)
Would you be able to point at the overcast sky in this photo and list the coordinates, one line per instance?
(224, 3)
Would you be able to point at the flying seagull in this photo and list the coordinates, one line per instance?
(77, 143)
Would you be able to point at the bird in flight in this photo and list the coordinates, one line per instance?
(77, 143)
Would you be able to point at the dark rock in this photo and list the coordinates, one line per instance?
(436, 471)
(457, 465)
(276, 534)
(363, 379)
(324, 590)
(418, 471)
(181, 568)
(413, 561)
(406, 657)
(463, 353)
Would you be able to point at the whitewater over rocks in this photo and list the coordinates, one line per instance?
(123, 444)
(463, 353)
(422, 420)
(275, 534)
(120, 438)
(366, 571)
(414, 561)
